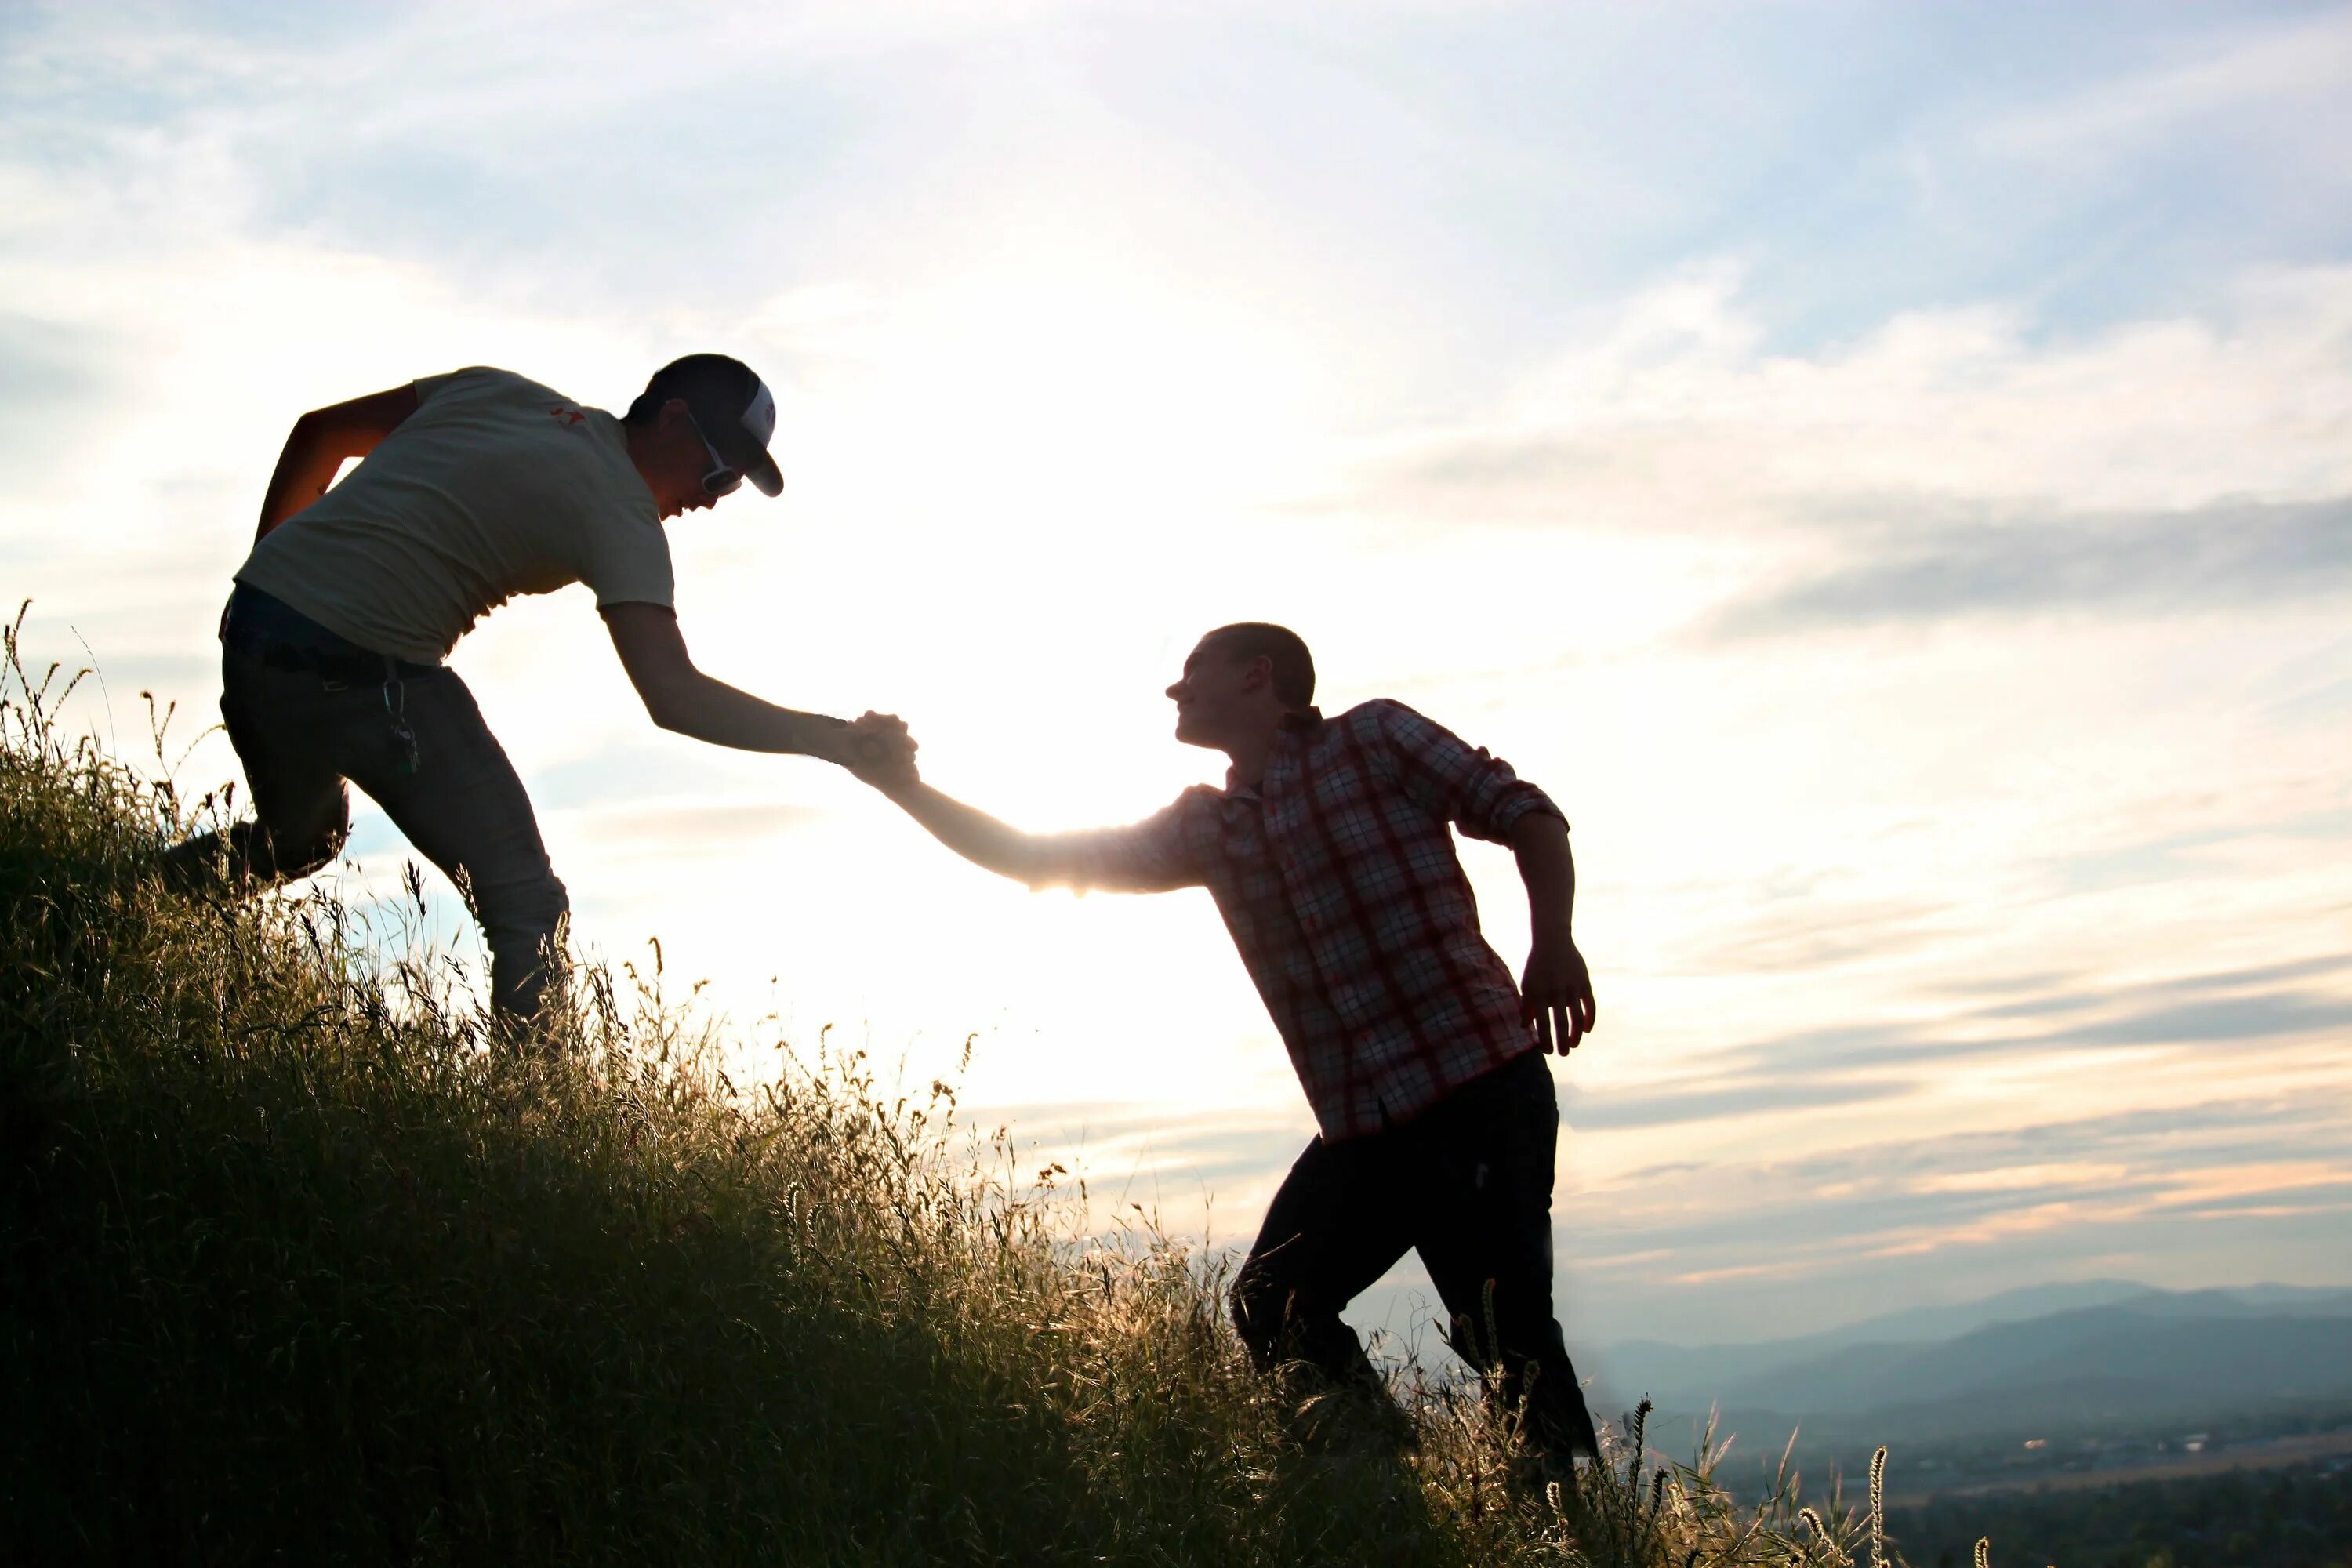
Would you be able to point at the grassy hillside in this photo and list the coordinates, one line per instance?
(292, 1267)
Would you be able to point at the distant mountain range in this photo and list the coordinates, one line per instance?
(2102, 1355)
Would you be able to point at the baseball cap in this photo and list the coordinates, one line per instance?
(733, 408)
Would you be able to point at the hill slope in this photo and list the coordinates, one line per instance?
(294, 1265)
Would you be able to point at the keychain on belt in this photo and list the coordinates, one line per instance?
(395, 702)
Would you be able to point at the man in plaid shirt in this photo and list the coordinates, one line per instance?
(1330, 854)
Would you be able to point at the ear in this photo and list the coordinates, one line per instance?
(1259, 673)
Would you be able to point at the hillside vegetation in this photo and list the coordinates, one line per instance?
(2246, 1518)
(295, 1267)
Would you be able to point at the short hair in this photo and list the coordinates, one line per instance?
(1294, 667)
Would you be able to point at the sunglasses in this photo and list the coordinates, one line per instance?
(723, 478)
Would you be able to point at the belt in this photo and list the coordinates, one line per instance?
(262, 627)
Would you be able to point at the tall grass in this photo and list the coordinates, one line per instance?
(294, 1267)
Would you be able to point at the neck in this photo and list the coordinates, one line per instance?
(1249, 752)
(639, 442)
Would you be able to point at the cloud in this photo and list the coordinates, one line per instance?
(1669, 416)
(2137, 1191)
(1765, 1081)
(1740, 1097)
(2216, 557)
(1816, 933)
(2287, 72)
(2261, 1016)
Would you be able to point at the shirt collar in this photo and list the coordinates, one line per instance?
(1301, 723)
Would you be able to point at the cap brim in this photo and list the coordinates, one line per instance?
(744, 449)
(762, 470)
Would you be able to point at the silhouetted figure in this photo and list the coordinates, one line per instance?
(1329, 855)
(473, 487)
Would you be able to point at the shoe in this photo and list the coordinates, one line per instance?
(1358, 1416)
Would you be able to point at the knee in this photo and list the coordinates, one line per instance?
(1260, 1308)
(312, 851)
(286, 852)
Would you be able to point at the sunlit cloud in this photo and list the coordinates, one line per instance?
(2177, 564)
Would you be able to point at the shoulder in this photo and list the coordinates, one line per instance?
(489, 384)
(1375, 719)
(1195, 799)
(1196, 807)
(1389, 729)
(490, 378)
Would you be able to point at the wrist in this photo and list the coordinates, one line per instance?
(826, 740)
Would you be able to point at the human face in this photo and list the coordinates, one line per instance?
(1212, 696)
(680, 463)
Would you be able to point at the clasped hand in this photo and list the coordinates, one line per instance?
(877, 748)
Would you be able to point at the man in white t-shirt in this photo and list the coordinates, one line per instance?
(472, 488)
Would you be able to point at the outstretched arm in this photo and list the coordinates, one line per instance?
(1557, 991)
(319, 443)
(680, 698)
(974, 834)
(1147, 857)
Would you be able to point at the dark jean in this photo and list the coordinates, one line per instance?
(1467, 1185)
(305, 716)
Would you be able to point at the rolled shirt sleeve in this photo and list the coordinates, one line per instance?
(1476, 792)
(1154, 856)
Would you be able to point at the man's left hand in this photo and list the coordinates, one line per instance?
(1556, 994)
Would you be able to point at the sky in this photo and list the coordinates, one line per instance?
(1886, 471)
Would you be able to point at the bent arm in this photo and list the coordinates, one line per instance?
(681, 698)
(1540, 841)
(322, 441)
(1556, 991)
(1450, 778)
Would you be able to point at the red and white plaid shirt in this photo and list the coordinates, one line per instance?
(1337, 878)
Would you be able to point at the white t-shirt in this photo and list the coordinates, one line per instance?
(496, 486)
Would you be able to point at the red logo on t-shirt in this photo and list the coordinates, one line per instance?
(568, 416)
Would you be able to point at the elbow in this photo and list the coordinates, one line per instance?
(671, 690)
(321, 432)
(1538, 828)
(669, 710)
(312, 436)
(1036, 867)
